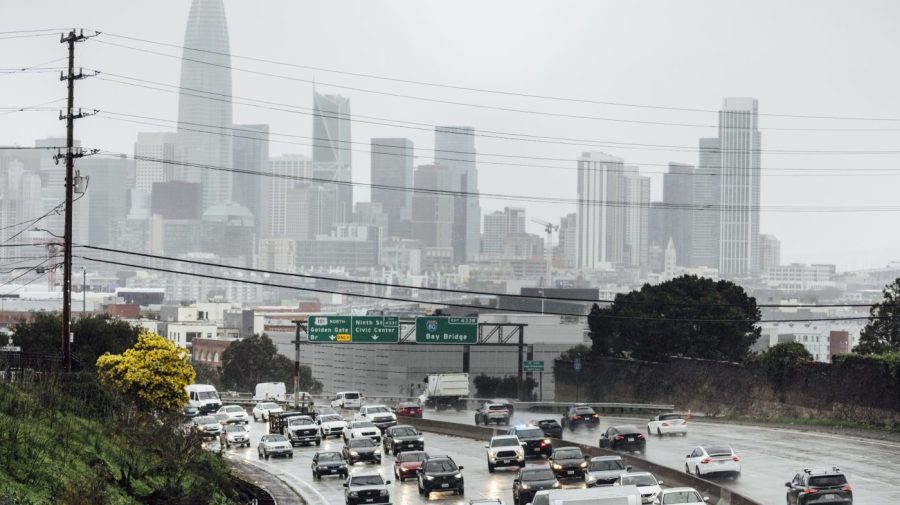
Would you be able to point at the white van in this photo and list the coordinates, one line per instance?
(607, 495)
(204, 397)
(270, 392)
(347, 400)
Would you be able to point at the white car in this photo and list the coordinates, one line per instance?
(667, 424)
(681, 495)
(274, 445)
(712, 460)
(236, 434)
(361, 428)
(262, 410)
(505, 450)
(235, 413)
(331, 425)
(646, 484)
(380, 415)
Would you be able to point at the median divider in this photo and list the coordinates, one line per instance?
(717, 494)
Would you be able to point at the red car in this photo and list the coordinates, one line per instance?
(409, 409)
(407, 464)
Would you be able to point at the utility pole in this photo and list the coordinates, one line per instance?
(70, 156)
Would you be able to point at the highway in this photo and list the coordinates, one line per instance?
(770, 456)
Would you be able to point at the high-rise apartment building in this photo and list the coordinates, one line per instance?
(454, 148)
(770, 252)
(739, 190)
(499, 226)
(678, 203)
(636, 204)
(567, 253)
(706, 183)
(204, 138)
(392, 167)
(152, 151)
(432, 213)
(332, 149)
(288, 173)
(601, 217)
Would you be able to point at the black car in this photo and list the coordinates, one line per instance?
(402, 438)
(550, 427)
(440, 473)
(819, 486)
(536, 443)
(361, 449)
(568, 463)
(623, 438)
(365, 488)
(580, 415)
(328, 463)
(530, 480)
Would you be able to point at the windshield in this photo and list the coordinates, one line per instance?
(549, 423)
(378, 410)
(639, 480)
(497, 407)
(234, 409)
(276, 438)
(330, 456)
(206, 420)
(408, 406)
(682, 497)
(362, 442)
(443, 465)
(568, 454)
(530, 433)
(207, 395)
(235, 429)
(607, 465)
(268, 406)
(504, 442)
(669, 417)
(627, 430)
(362, 424)
(719, 451)
(539, 474)
(331, 417)
(411, 456)
(827, 481)
(366, 480)
(351, 396)
(584, 411)
(404, 432)
(300, 421)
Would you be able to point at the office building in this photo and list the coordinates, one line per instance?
(251, 154)
(289, 171)
(106, 199)
(678, 201)
(567, 252)
(770, 252)
(277, 254)
(500, 225)
(637, 218)
(706, 184)
(601, 230)
(432, 213)
(391, 169)
(152, 151)
(332, 150)
(454, 148)
(348, 246)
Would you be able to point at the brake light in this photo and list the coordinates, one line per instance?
(640, 436)
(735, 458)
(576, 418)
(810, 490)
(595, 416)
(705, 460)
(847, 488)
(620, 437)
(665, 424)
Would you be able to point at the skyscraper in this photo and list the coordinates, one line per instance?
(770, 252)
(454, 148)
(739, 226)
(251, 152)
(637, 218)
(203, 138)
(678, 200)
(500, 225)
(567, 253)
(332, 148)
(432, 214)
(392, 165)
(707, 181)
(287, 171)
(152, 151)
(601, 217)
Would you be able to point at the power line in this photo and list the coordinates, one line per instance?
(493, 91)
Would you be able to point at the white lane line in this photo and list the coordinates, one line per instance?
(283, 476)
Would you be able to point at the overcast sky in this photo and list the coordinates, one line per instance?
(824, 58)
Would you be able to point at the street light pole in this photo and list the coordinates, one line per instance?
(83, 292)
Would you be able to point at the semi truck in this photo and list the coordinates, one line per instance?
(445, 391)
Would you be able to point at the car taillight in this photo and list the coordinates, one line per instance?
(640, 437)
(576, 418)
(620, 437)
(705, 460)
(847, 488)
(735, 458)
(665, 424)
(595, 416)
(810, 490)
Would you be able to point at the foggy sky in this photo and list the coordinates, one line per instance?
(802, 57)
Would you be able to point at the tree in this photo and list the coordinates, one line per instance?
(94, 336)
(687, 316)
(881, 334)
(154, 372)
(247, 362)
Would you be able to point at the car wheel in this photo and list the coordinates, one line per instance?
(461, 491)
(476, 420)
(697, 471)
(266, 455)
(687, 470)
(490, 468)
(658, 432)
(648, 430)
(318, 441)
(736, 475)
(259, 454)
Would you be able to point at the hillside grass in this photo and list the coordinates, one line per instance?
(69, 440)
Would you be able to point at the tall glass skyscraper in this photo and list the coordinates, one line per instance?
(332, 149)
(454, 148)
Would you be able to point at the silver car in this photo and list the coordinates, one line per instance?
(604, 470)
(274, 445)
(236, 434)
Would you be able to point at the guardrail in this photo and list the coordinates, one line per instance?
(718, 495)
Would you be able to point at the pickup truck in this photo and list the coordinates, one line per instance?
(298, 427)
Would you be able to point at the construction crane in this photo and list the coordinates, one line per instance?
(549, 228)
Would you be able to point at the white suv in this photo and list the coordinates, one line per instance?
(505, 450)
(380, 416)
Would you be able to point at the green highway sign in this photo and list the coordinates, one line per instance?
(353, 330)
(446, 330)
(532, 366)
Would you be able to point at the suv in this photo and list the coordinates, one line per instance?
(530, 480)
(440, 473)
(568, 462)
(550, 427)
(402, 438)
(379, 415)
(578, 415)
(489, 413)
(505, 450)
(819, 486)
(536, 444)
(366, 487)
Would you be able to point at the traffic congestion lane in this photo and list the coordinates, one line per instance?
(769, 456)
(467, 453)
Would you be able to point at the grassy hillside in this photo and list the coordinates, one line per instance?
(69, 440)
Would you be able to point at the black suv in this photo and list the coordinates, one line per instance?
(819, 486)
(530, 480)
(568, 463)
(550, 427)
(440, 473)
(580, 415)
(402, 438)
(535, 443)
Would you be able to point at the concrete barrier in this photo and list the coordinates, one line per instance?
(717, 494)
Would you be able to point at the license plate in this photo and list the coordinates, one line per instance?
(631, 439)
(570, 472)
(445, 485)
(505, 461)
(370, 500)
(722, 462)
(830, 496)
(537, 449)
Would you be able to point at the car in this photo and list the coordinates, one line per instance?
(550, 427)
(274, 445)
(361, 428)
(505, 450)
(580, 415)
(530, 480)
(222, 418)
(347, 400)
(568, 463)
(623, 438)
(262, 410)
(408, 463)
(536, 443)
(668, 424)
(408, 409)
(604, 470)
(190, 411)
(330, 425)
(489, 413)
(402, 438)
(323, 410)
(361, 449)
(380, 415)
(207, 426)
(646, 483)
(713, 460)
(508, 404)
(328, 463)
(366, 487)
(298, 428)
(819, 486)
(682, 495)
(440, 473)
(235, 434)
(236, 414)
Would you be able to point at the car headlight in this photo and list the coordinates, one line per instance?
(556, 484)
(421, 439)
(557, 467)
(591, 480)
(384, 492)
(354, 494)
(377, 452)
(354, 453)
(429, 477)
(457, 476)
(584, 464)
(523, 487)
